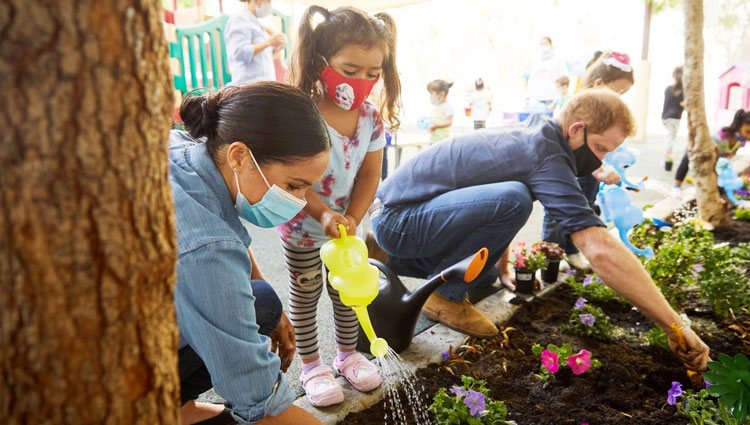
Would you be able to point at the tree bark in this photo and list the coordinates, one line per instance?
(702, 152)
(87, 238)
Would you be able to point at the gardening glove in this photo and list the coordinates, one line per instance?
(690, 349)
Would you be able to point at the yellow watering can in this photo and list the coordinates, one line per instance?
(355, 279)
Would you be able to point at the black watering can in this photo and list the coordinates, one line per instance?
(395, 310)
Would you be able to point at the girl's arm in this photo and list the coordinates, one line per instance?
(327, 217)
(365, 186)
(448, 122)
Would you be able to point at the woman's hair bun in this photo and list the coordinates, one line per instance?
(200, 113)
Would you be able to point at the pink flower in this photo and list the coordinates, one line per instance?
(580, 363)
(550, 361)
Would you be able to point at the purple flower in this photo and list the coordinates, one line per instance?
(570, 272)
(588, 280)
(459, 391)
(445, 355)
(475, 402)
(698, 268)
(587, 319)
(708, 384)
(599, 280)
(580, 303)
(673, 393)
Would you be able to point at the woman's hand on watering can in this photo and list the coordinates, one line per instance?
(330, 221)
(283, 342)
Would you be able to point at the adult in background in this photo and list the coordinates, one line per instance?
(250, 46)
(477, 190)
(544, 72)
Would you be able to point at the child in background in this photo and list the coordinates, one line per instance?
(562, 84)
(480, 104)
(727, 141)
(337, 63)
(672, 113)
(442, 116)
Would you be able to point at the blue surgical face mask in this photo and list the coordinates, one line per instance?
(275, 208)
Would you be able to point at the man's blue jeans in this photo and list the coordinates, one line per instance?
(424, 239)
(551, 231)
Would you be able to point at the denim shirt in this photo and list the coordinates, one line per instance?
(534, 152)
(242, 33)
(214, 300)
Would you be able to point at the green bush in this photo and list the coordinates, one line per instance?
(723, 279)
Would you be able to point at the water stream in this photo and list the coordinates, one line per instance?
(398, 375)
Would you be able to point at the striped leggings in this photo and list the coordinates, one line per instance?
(306, 277)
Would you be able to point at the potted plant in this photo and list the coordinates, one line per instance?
(553, 253)
(526, 263)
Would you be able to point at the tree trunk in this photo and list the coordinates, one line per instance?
(87, 239)
(701, 149)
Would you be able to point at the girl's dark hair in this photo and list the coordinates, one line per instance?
(277, 122)
(340, 28)
(741, 118)
(607, 73)
(677, 75)
(439, 86)
(597, 55)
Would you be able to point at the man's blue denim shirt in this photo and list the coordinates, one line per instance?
(533, 152)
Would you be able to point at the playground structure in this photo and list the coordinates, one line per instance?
(734, 92)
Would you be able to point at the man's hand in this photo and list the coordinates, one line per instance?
(330, 221)
(606, 175)
(283, 342)
(690, 349)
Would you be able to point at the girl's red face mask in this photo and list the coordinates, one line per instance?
(347, 93)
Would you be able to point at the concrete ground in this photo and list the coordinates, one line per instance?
(267, 247)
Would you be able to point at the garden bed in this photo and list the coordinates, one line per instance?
(631, 385)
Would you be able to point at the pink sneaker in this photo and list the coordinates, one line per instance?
(360, 372)
(321, 387)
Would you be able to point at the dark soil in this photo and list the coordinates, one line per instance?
(630, 387)
(737, 232)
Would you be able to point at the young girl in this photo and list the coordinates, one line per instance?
(337, 63)
(480, 104)
(442, 115)
(727, 140)
(672, 113)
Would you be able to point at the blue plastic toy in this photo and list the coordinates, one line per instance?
(423, 123)
(615, 202)
(729, 180)
(620, 159)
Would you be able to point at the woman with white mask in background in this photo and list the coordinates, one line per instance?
(250, 47)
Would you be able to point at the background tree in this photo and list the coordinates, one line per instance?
(87, 239)
(701, 149)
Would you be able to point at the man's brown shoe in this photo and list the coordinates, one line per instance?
(459, 316)
(374, 250)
